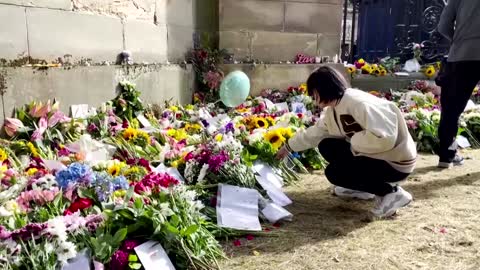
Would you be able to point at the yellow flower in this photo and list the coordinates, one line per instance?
(189, 107)
(174, 164)
(383, 72)
(219, 137)
(260, 122)
(303, 88)
(135, 123)
(430, 71)
(171, 132)
(361, 61)
(32, 171)
(242, 110)
(351, 69)
(173, 108)
(130, 134)
(32, 149)
(275, 138)
(144, 135)
(3, 155)
(120, 193)
(367, 69)
(178, 134)
(116, 168)
(286, 132)
(193, 127)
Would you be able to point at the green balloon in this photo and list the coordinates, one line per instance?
(235, 89)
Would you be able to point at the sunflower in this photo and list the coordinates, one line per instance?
(144, 135)
(115, 168)
(383, 72)
(430, 71)
(351, 70)
(260, 122)
(3, 155)
(367, 69)
(130, 134)
(287, 133)
(275, 138)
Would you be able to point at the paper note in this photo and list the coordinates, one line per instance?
(79, 111)
(268, 103)
(275, 213)
(203, 113)
(463, 142)
(276, 194)
(282, 106)
(153, 257)
(80, 262)
(267, 173)
(144, 121)
(237, 208)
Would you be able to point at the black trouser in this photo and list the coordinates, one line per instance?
(357, 172)
(459, 80)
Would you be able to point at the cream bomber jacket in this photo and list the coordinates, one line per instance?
(375, 128)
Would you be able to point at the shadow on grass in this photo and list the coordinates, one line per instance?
(317, 216)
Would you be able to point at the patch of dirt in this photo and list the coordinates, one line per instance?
(439, 230)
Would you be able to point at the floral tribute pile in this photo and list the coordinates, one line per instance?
(104, 182)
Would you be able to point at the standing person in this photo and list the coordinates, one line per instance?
(364, 139)
(460, 24)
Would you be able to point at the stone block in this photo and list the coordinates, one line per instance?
(206, 14)
(96, 84)
(13, 32)
(238, 43)
(251, 15)
(275, 46)
(54, 4)
(331, 2)
(328, 45)
(313, 18)
(279, 76)
(126, 9)
(146, 41)
(161, 12)
(54, 33)
(180, 42)
(180, 13)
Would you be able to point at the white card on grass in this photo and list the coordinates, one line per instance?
(275, 193)
(463, 142)
(275, 213)
(153, 257)
(144, 121)
(267, 173)
(237, 208)
(79, 111)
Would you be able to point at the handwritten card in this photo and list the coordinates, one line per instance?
(153, 257)
(275, 193)
(79, 111)
(237, 208)
(275, 213)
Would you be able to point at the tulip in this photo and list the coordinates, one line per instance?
(12, 126)
(42, 126)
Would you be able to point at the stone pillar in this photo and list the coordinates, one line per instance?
(276, 30)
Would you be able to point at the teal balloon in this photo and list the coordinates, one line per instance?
(235, 89)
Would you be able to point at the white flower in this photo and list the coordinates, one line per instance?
(56, 227)
(203, 173)
(165, 209)
(9, 209)
(48, 247)
(66, 250)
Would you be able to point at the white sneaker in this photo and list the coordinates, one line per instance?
(388, 205)
(350, 193)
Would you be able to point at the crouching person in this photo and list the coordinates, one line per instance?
(364, 139)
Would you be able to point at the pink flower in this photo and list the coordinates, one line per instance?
(237, 243)
(40, 110)
(12, 126)
(250, 237)
(57, 117)
(412, 124)
(42, 126)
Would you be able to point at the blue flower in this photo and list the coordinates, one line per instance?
(295, 155)
(64, 178)
(73, 174)
(120, 183)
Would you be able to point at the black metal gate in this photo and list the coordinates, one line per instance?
(391, 27)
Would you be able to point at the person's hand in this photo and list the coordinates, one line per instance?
(282, 153)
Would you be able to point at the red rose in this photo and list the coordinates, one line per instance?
(79, 204)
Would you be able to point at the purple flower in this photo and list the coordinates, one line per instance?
(229, 128)
(119, 260)
(92, 128)
(129, 245)
(205, 123)
(217, 161)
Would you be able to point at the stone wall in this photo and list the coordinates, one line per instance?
(87, 36)
(276, 30)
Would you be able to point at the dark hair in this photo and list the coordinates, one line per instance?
(328, 83)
